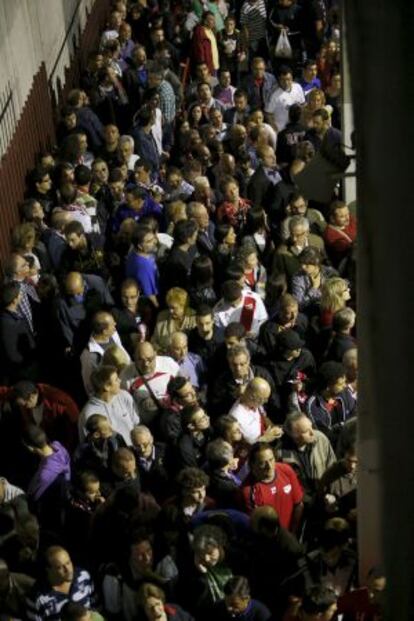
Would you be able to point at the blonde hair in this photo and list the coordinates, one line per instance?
(177, 211)
(177, 296)
(314, 93)
(332, 294)
(115, 357)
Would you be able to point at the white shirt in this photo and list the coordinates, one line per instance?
(249, 421)
(225, 313)
(90, 361)
(165, 369)
(121, 412)
(280, 101)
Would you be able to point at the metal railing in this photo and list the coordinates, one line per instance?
(8, 118)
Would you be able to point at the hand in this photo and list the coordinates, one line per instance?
(316, 281)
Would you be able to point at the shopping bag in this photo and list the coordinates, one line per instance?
(283, 48)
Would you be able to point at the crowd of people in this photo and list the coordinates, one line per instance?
(178, 348)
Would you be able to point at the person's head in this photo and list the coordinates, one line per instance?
(105, 381)
(350, 458)
(257, 393)
(234, 336)
(232, 292)
(205, 321)
(339, 214)
(130, 294)
(230, 24)
(142, 441)
(98, 427)
(135, 198)
(126, 147)
(125, 31)
(198, 212)
(350, 362)
(331, 378)
(41, 180)
(310, 260)
(185, 233)
(100, 171)
(194, 419)
(145, 358)
(264, 521)
(229, 429)
(58, 566)
(321, 121)
(24, 237)
(209, 545)
(220, 455)
(376, 583)
(224, 78)
(111, 135)
(202, 72)
(141, 553)
(75, 235)
(181, 391)
(16, 267)
(103, 326)
(25, 394)
(35, 439)
(123, 464)
(299, 230)
(258, 68)
(295, 113)
(178, 348)
(10, 296)
(262, 462)
(299, 427)
(89, 485)
(208, 20)
(143, 239)
(236, 595)
(231, 190)
(204, 91)
(152, 599)
(344, 320)
(177, 301)
(32, 211)
(238, 357)
(73, 611)
(335, 294)
(267, 156)
(310, 70)
(298, 204)
(285, 78)
(240, 100)
(142, 171)
(316, 99)
(319, 604)
(225, 234)
(139, 55)
(192, 484)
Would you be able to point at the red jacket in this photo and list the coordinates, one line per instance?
(201, 48)
(339, 243)
(60, 414)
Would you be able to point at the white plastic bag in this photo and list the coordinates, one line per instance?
(283, 48)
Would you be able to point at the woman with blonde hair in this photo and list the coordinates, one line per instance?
(335, 294)
(25, 242)
(178, 317)
(115, 356)
(314, 101)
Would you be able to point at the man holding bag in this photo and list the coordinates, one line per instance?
(285, 94)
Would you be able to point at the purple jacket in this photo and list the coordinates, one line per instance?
(49, 469)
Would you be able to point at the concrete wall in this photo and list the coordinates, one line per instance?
(32, 32)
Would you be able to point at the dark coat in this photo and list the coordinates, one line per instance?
(17, 347)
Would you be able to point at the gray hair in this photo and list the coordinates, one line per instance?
(291, 419)
(237, 350)
(298, 221)
(127, 139)
(219, 453)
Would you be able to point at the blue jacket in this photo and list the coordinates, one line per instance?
(149, 208)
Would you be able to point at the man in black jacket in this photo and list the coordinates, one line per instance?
(230, 384)
(152, 462)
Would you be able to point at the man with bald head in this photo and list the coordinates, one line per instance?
(62, 583)
(249, 412)
(147, 379)
(190, 365)
(83, 295)
(103, 334)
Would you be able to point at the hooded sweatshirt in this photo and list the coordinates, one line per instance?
(49, 469)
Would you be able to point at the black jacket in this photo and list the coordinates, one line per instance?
(17, 347)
